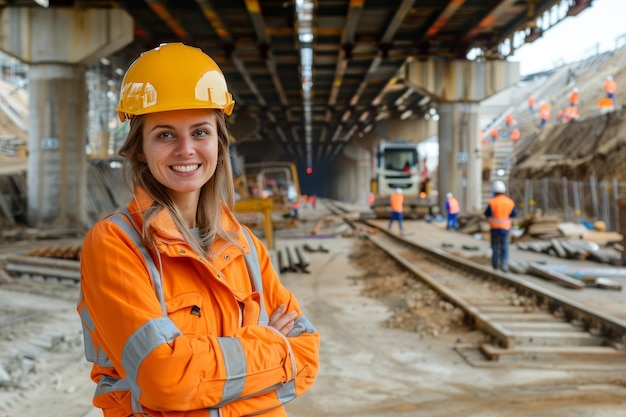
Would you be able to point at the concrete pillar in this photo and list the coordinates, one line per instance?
(58, 44)
(356, 185)
(460, 160)
(458, 86)
(56, 146)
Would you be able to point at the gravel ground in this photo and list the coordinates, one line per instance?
(370, 365)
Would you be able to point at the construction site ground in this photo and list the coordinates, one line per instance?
(370, 365)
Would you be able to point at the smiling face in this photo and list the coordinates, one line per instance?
(181, 150)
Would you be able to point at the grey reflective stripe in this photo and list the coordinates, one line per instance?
(254, 269)
(145, 339)
(108, 384)
(132, 232)
(214, 412)
(302, 325)
(91, 353)
(235, 362)
(287, 392)
(88, 328)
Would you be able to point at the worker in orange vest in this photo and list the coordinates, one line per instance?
(510, 121)
(531, 103)
(295, 208)
(610, 86)
(499, 212)
(515, 135)
(574, 97)
(452, 210)
(544, 113)
(570, 113)
(397, 208)
(494, 134)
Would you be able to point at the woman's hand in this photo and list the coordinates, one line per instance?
(283, 321)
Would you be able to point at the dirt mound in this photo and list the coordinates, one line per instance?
(576, 150)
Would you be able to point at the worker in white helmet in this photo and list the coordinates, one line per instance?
(499, 212)
(610, 87)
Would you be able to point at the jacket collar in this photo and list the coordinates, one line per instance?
(163, 227)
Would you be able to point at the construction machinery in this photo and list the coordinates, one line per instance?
(269, 189)
(400, 165)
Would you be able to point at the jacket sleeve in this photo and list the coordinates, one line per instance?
(304, 340)
(166, 370)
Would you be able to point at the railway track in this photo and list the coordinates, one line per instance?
(530, 324)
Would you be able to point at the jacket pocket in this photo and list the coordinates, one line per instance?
(186, 311)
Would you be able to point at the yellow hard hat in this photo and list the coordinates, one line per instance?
(173, 76)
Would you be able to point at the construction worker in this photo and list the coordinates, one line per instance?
(499, 212)
(544, 113)
(610, 87)
(295, 209)
(510, 121)
(531, 103)
(570, 113)
(515, 135)
(452, 210)
(182, 310)
(494, 135)
(574, 97)
(396, 201)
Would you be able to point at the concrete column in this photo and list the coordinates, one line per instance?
(460, 163)
(458, 86)
(58, 43)
(56, 145)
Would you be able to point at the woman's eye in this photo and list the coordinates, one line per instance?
(200, 132)
(165, 135)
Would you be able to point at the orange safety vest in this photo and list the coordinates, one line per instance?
(183, 332)
(544, 112)
(515, 134)
(453, 205)
(531, 101)
(370, 199)
(494, 133)
(397, 202)
(510, 120)
(501, 209)
(610, 86)
(573, 98)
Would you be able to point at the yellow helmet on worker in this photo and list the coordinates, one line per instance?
(173, 76)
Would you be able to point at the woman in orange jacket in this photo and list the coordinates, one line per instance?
(183, 313)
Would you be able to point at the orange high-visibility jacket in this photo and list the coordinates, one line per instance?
(453, 205)
(610, 86)
(397, 201)
(574, 97)
(501, 209)
(515, 134)
(203, 351)
(544, 111)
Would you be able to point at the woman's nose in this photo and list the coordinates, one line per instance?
(185, 146)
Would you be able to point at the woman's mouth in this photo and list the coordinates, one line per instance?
(185, 168)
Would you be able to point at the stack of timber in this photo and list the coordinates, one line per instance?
(571, 249)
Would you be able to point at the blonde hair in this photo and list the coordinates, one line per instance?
(218, 191)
